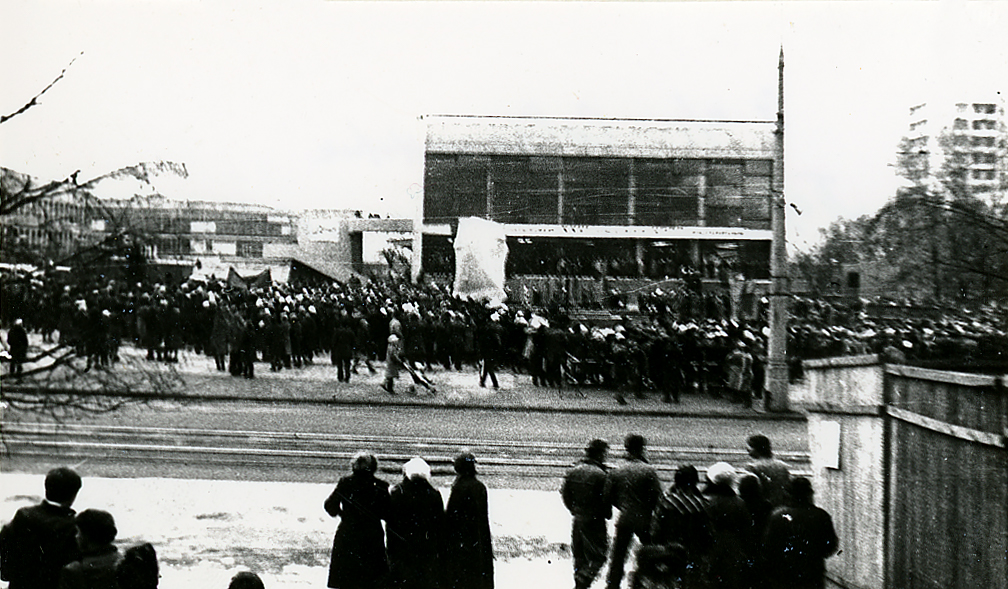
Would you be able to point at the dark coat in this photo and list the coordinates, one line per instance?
(343, 341)
(469, 549)
(415, 534)
(358, 554)
(17, 339)
(584, 491)
(36, 545)
(797, 541)
(96, 570)
(731, 525)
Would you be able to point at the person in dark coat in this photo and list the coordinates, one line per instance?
(17, 341)
(490, 349)
(414, 529)
(799, 538)
(750, 492)
(99, 557)
(730, 526)
(583, 493)
(40, 540)
(680, 518)
(634, 489)
(773, 473)
(342, 349)
(138, 568)
(468, 546)
(361, 501)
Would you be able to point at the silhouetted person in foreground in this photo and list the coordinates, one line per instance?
(361, 501)
(414, 529)
(40, 540)
(468, 545)
(799, 538)
(99, 557)
(583, 493)
(246, 580)
(634, 489)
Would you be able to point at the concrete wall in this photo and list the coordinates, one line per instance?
(846, 438)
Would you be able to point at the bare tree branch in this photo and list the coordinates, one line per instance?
(34, 100)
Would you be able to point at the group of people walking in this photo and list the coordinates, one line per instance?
(750, 528)
(425, 544)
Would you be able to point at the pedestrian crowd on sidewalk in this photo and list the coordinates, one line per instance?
(753, 527)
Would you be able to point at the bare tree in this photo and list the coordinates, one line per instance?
(61, 380)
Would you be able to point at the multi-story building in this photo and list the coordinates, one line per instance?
(640, 200)
(960, 141)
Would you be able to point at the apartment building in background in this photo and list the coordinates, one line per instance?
(958, 140)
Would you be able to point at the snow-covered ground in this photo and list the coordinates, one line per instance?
(206, 531)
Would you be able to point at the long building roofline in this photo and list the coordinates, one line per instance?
(607, 119)
(586, 137)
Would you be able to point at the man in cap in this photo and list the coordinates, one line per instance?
(583, 493)
(633, 488)
(40, 541)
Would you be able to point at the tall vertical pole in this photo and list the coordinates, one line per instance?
(777, 371)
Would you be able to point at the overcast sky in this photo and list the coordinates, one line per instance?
(311, 104)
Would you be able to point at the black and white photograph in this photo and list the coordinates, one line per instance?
(503, 294)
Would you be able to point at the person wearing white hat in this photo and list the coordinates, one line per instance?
(730, 525)
(413, 528)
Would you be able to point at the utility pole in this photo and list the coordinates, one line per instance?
(777, 370)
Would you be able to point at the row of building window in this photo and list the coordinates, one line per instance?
(978, 125)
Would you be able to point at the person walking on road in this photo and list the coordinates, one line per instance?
(468, 544)
(799, 538)
(17, 343)
(583, 493)
(773, 473)
(633, 488)
(393, 356)
(490, 348)
(40, 540)
(361, 501)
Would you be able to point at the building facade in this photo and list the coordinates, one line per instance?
(615, 198)
(963, 141)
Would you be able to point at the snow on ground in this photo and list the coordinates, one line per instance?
(206, 531)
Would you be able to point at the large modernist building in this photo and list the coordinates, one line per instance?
(620, 198)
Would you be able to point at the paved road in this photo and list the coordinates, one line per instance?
(284, 441)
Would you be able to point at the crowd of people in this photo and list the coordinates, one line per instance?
(672, 343)
(752, 527)
(51, 546)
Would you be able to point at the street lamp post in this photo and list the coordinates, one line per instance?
(776, 370)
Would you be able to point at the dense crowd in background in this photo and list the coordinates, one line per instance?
(680, 341)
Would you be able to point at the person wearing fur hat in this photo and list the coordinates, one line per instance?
(361, 501)
(468, 545)
(414, 529)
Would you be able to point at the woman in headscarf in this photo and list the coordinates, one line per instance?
(468, 547)
(361, 501)
(414, 529)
